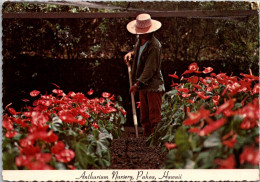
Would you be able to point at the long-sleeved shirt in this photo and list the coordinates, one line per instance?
(148, 71)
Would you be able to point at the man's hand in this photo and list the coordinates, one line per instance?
(134, 88)
(127, 57)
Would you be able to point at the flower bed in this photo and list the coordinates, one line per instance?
(210, 121)
(61, 131)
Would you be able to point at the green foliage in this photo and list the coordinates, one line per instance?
(213, 122)
(232, 40)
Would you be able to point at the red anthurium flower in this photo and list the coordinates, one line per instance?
(170, 145)
(195, 117)
(34, 93)
(58, 92)
(95, 125)
(228, 105)
(194, 130)
(252, 77)
(51, 137)
(193, 79)
(248, 123)
(85, 115)
(79, 97)
(185, 95)
(229, 163)
(71, 94)
(36, 165)
(11, 134)
(188, 109)
(212, 127)
(39, 118)
(215, 99)
(101, 100)
(256, 89)
(44, 102)
(250, 155)
(23, 160)
(34, 129)
(222, 78)
(43, 157)
(202, 96)
(109, 110)
(58, 147)
(122, 111)
(30, 150)
(106, 94)
(173, 76)
(193, 67)
(90, 92)
(204, 81)
(197, 86)
(185, 90)
(66, 116)
(250, 113)
(7, 123)
(112, 98)
(65, 156)
(213, 74)
(173, 84)
(138, 104)
(190, 101)
(26, 142)
(81, 121)
(12, 111)
(207, 70)
(187, 72)
(229, 139)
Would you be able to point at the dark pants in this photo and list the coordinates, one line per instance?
(150, 110)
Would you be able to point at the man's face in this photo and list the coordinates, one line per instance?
(144, 36)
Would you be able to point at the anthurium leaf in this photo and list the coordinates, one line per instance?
(205, 159)
(56, 124)
(9, 159)
(60, 166)
(189, 164)
(106, 162)
(96, 134)
(212, 141)
(83, 157)
(101, 147)
(170, 162)
(181, 139)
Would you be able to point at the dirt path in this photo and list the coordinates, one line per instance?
(130, 152)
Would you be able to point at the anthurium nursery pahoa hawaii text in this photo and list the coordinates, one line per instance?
(140, 175)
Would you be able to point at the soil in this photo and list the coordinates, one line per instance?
(130, 152)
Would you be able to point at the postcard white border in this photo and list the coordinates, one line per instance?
(132, 175)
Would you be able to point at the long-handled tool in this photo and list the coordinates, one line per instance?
(133, 101)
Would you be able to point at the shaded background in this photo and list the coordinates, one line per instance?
(79, 54)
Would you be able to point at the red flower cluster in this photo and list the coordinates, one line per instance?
(231, 101)
(250, 154)
(39, 143)
(228, 163)
(62, 154)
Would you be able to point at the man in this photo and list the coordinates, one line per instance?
(146, 70)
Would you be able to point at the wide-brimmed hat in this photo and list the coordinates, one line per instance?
(143, 24)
